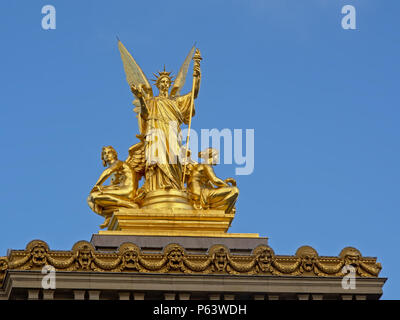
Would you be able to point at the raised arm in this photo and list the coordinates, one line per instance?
(196, 73)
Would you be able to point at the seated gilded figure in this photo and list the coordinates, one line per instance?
(205, 189)
(105, 199)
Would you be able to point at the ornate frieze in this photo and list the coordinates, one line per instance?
(175, 259)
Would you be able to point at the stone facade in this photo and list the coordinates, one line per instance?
(196, 268)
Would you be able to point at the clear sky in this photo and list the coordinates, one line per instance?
(323, 102)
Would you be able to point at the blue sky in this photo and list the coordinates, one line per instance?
(323, 102)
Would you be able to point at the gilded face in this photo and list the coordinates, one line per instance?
(307, 262)
(163, 84)
(352, 259)
(308, 257)
(85, 258)
(264, 259)
(175, 258)
(3, 264)
(39, 255)
(109, 155)
(220, 259)
(130, 258)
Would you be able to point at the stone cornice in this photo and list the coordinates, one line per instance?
(175, 260)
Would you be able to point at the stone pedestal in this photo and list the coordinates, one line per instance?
(172, 222)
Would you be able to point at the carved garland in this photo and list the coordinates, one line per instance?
(174, 259)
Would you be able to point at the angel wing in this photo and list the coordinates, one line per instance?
(181, 77)
(136, 159)
(134, 74)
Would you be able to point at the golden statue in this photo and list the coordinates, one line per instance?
(177, 194)
(201, 180)
(160, 118)
(122, 189)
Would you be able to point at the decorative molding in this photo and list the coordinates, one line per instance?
(175, 259)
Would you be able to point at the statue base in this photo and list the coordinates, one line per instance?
(172, 222)
(166, 199)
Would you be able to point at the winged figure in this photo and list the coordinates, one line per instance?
(157, 156)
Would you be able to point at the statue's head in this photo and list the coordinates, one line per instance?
(175, 255)
(219, 257)
(351, 256)
(308, 257)
(163, 80)
(129, 255)
(38, 250)
(108, 155)
(84, 254)
(3, 264)
(264, 256)
(209, 155)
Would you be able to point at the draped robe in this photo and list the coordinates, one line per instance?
(161, 128)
